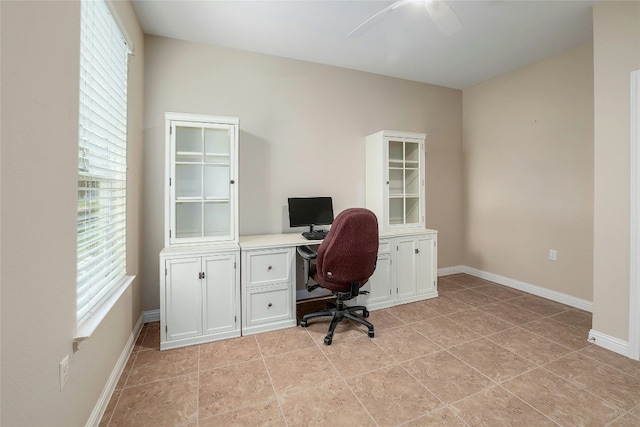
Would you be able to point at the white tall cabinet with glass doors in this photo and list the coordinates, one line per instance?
(395, 192)
(199, 265)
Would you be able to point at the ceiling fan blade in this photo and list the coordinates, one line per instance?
(443, 17)
(369, 23)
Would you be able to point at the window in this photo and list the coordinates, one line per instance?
(102, 159)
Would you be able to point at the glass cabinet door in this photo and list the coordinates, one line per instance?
(201, 182)
(405, 181)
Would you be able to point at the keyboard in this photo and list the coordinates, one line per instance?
(315, 235)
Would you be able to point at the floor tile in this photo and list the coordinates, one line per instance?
(446, 376)
(345, 330)
(604, 381)
(442, 417)
(328, 405)
(404, 343)
(444, 304)
(539, 305)
(155, 365)
(445, 286)
(626, 420)
(511, 313)
(228, 352)
(392, 396)
(498, 291)
(497, 407)
(494, 361)
(480, 322)
(562, 401)
(283, 341)
(415, 312)
(560, 333)
(263, 415)
(162, 403)
(618, 361)
(532, 347)
(472, 297)
(233, 387)
(301, 369)
(577, 318)
(383, 319)
(356, 356)
(445, 332)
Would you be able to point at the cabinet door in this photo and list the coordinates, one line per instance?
(219, 293)
(405, 178)
(202, 193)
(379, 285)
(183, 315)
(406, 267)
(426, 264)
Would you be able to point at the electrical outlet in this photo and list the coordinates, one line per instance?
(553, 255)
(64, 371)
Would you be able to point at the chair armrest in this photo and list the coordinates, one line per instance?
(307, 253)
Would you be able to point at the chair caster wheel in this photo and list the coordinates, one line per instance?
(327, 340)
(371, 333)
(365, 313)
(303, 323)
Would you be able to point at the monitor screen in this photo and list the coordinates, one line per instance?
(310, 211)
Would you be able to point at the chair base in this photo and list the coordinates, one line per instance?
(339, 311)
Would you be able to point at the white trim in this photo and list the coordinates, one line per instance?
(448, 271)
(151, 316)
(634, 285)
(110, 386)
(88, 327)
(610, 343)
(522, 286)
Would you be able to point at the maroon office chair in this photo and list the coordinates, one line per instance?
(344, 262)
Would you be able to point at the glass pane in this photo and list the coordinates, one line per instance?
(395, 151)
(216, 142)
(217, 219)
(413, 210)
(412, 154)
(216, 180)
(412, 182)
(188, 143)
(188, 181)
(188, 220)
(396, 211)
(396, 184)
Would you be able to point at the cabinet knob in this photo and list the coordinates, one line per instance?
(269, 268)
(269, 305)
(232, 181)
(417, 251)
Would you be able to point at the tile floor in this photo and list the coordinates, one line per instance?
(481, 354)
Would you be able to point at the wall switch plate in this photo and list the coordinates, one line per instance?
(64, 371)
(553, 254)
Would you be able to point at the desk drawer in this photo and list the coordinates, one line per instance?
(269, 304)
(384, 246)
(268, 267)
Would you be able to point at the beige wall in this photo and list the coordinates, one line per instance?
(616, 38)
(39, 114)
(528, 174)
(302, 129)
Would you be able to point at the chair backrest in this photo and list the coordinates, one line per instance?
(348, 253)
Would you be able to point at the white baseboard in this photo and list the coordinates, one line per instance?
(151, 316)
(532, 289)
(610, 343)
(110, 386)
(448, 271)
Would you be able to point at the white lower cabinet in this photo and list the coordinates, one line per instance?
(406, 271)
(199, 296)
(268, 289)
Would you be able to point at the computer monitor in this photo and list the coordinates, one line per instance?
(310, 211)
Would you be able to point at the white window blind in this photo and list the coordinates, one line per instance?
(102, 158)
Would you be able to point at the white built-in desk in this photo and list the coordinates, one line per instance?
(406, 271)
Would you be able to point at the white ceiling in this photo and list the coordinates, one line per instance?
(497, 36)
